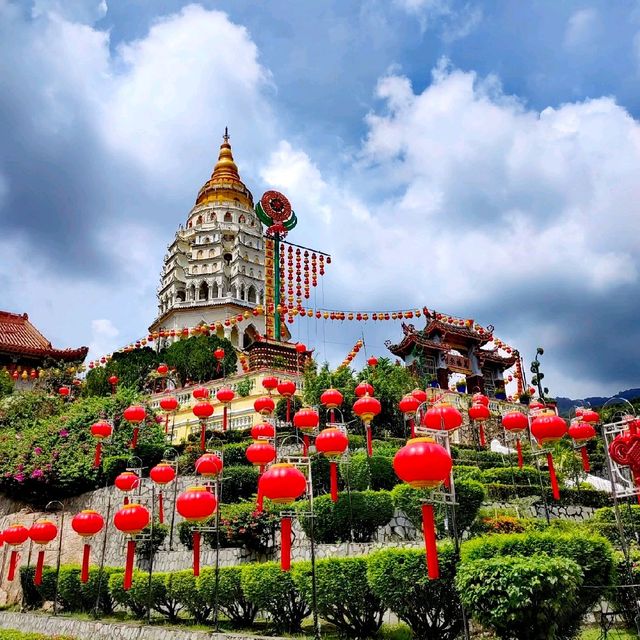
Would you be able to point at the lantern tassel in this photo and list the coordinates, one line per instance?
(39, 565)
(332, 416)
(98, 456)
(288, 409)
(134, 439)
(412, 426)
(367, 428)
(126, 500)
(519, 450)
(128, 567)
(552, 476)
(13, 563)
(429, 531)
(203, 435)
(333, 470)
(224, 418)
(483, 442)
(166, 424)
(305, 445)
(285, 543)
(86, 555)
(160, 507)
(585, 459)
(196, 553)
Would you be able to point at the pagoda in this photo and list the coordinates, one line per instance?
(449, 345)
(214, 266)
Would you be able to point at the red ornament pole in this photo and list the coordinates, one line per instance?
(160, 507)
(13, 563)
(429, 531)
(128, 567)
(285, 543)
(196, 553)
(39, 565)
(86, 556)
(333, 471)
(585, 459)
(519, 450)
(552, 476)
(98, 455)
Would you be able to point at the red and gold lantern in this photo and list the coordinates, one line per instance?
(225, 396)
(263, 431)
(420, 395)
(100, 430)
(270, 383)
(127, 481)
(168, 405)
(203, 410)
(163, 473)
(131, 520)
(201, 393)
(196, 504)
(442, 416)
(135, 414)
(162, 369)
(363, 389)
(331, 399)
(42, 532)
(409, 405)
(479, 412)
(332, 443)
(581, 432)
(549, 428)
(15, 536)
(287, 388)
(306, 419)
(367, 408)
(264, 405)
(209, 465)
(516, 422)
(87, 524)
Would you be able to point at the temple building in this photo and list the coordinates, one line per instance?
(450, 345)
(24, 350)
(214, 266)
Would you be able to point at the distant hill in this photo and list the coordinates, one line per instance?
(564, 404)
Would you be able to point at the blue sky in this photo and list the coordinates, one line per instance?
(479, 158)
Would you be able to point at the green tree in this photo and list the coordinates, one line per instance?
(6, 384)
(194, 361)
(132, 369)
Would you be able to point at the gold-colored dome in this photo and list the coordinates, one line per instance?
(225, 183)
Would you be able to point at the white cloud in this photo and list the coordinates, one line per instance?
(582, 28)
(83, 11)
(454, 23)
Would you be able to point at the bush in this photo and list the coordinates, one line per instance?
(568, 496)
(430, 607)
(149, 546)
(185, 589)
(235, 454)
(514, 475)
(524, 598)
(483, 459)
(125, 598)
(272, 590)
(231, 599)
(242, 526)
(364, 472)
(74, 595)
(604, 522)
(31, 596)
(356, 516)
(239, 483)
(503, 524)
(625, 598)
(160, 593)
(465, 472)
(343, 594)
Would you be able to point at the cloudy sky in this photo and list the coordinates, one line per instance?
(479, 158)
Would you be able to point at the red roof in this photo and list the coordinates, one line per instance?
(19, 336)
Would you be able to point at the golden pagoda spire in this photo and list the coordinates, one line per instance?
(225, 182)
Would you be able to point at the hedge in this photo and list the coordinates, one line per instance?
(239, 483)
(524, 598)
(343, 595)
(568, 496)
(514, 475)
(483, 458)
(625, 598)
(364, 472)
(604, 522)
(232, 602)
(356, 516)
(430, 607)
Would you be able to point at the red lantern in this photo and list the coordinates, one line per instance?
(163, 473)
(100, 430)
(372, 361)
(135, 414)
(420, 395)
(63, 391)
(113, 381)
(442, 416)
(287, 388)
(225, 396)
(87, 524)
(263, 430)
(549, 428)
(209, 465)
(516, 422)
(363, 389)
(219, 354)
(479, 412)
(203, 410)
(270, 383)
(332, 443)
(15, 536)
(367, 408)
(306, 419)
(162, 369)
(580, 432)
(264, 405)
(480, 398)
(331, 399)
(301, 348)
(196, 504)
(424, 464)
(260, 454)
(589, 415)
(409, 405)
(201, 393)
(169, 404)
(42, 532)
(283, 484)
(127, 481)
(131, 520)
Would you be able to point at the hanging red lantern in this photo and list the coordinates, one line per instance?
(549, 428)
(581, 432)
(301, 348)
(15, 536)
(203, 411)
(168, 405)
(479, 412)
(408, 405)
(363, 389)
(287, 388)
(196, 504)
(516, 422)
(201, 393)
(42, 532)
(590, 416)
(420, 395)
(162, 369)
(100, 430)
(283, 483)
(63, 391)
(225, 396)
(306, 419)
(127, 481)
(209, 465)
(332, 443)
(270, 383)
(131, 520)
(367, 408)
(163, 473)
(480, 398)
(263, 431)
(442, 416)
(424, 464)
(372, 361)
(87, 524)
(113, 381)
(260, 453)
(264, 405)
(218, 354)
(135, 414)
(331, 399)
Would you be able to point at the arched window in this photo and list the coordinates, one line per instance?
(214, 290)
(206, 240)
(192, 292)
(190, 224)
(212, 253)
(234, 291)
(228, 217)
(194, 270)
(242, 219)
(203, 292)
(242, 292)
(251, 294)
(212, 217)
(199, 221)
(200, 254)
(180, 295)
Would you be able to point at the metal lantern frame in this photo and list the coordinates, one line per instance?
(621, 477)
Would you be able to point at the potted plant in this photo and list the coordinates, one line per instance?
(432, 381)
(461, 385)
(500, 393)
(525, 397)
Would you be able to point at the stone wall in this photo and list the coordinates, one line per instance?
(566, 512)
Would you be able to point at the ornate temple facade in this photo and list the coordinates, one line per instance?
(214, 266)
(449, 345)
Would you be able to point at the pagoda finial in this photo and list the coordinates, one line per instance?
(225, 137)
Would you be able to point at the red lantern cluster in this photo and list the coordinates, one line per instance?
(87, 524)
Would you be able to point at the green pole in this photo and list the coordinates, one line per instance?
(276, 293)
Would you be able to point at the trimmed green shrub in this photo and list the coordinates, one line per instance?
(235, 454)
(31, 596)
(343, 594)
(430, 607)
(160, 594)
(604, 522)
(568, 496)
(355, 516)
(465, 472)
(124, 598)
(74, 595)
(364, 472)
(524, 598)
(483, 459)
(356, 442)
(514, 475)
(186, 591)
(231, 599)
(272, 590)
(625, 598)
(239, 483)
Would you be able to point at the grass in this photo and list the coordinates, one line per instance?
(10, 634)
(594, 633)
